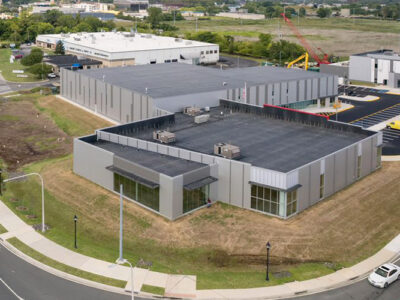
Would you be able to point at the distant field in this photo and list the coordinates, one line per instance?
(337, 36)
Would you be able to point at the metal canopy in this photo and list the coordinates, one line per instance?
(141, 180)
(292, 188)
(199, 183)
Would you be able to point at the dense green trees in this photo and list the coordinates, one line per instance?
(280, 51)
(323, 12)
(26, 27)
(60, 48)
(36, 56)
(40, 70)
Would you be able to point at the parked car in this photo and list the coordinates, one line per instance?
(18, 56)
(384, 275)
(51, 75)
(393, 125)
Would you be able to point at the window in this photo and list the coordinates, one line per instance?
(321, 185)
(215, 51)
(265, 199)
(195, 198)
(359, 166)
(202, 52)
(291, 203)
(378, 156)
(138, 192)
(167, 61)
(174, 60)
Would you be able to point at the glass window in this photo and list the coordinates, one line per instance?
(321, 185)
(138, 192)
(359, 166)
(265, 199)
(291, 203)
(195, 198)
(378, 156)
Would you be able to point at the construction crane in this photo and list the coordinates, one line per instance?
(304, 56)
(305, 44)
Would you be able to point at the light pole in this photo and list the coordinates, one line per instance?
(125, 261)
(41, 179)
(268, 248)
(75, 221)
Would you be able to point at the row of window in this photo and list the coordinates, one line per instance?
(147, 196)
(265, 199)
(195, 198)
(209, 52)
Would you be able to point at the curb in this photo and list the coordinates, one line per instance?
(61, 274)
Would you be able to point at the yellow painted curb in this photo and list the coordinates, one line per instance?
(391, 93)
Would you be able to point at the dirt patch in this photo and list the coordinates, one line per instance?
(28, 135)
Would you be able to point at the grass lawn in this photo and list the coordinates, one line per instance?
(6, 68)
(2, 229)
(153, 289)
(64, 268)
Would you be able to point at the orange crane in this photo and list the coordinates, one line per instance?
(305, 44)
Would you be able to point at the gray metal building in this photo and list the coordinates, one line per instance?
(381, 66)
(288, 160)
(127, 94)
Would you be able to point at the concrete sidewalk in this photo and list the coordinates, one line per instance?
(175, 285)
(184, 286)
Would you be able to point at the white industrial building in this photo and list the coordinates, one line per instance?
(382, 66)
(129, 48)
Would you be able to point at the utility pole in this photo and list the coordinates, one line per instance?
(121, 221)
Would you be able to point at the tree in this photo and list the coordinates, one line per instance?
(302, 12)
(324, 12)
(36, 56)
(41, 70)
(60, 48)
(155, 16)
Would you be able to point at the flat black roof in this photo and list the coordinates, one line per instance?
(265, 142)
(172, 79)
(168, 165)
(69, 60)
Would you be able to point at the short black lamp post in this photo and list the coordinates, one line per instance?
(268, 248)
(75, 220)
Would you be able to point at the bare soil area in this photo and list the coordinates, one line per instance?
(27, 135)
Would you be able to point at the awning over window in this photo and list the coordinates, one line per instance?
(199, 183)
(292, 188)
(141, 180)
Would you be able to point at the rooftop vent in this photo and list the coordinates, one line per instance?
(178, 40)
(191, 111)
(226, 150)
(77, 38)
(164, 136)
(201, 119)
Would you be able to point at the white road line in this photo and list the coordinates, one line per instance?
(11, 290)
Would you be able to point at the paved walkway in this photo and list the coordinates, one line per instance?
(175, 285)
(184, 286)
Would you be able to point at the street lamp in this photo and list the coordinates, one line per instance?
(268, 248)
(75, 220)
(121, 261)
(41, 179)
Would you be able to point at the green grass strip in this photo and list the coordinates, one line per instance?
(153, 289)
(64, 268)
(2, 229)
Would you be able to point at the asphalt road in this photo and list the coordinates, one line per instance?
(361, 290)
(31, 283)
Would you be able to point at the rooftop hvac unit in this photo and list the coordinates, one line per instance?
(201, 119)
(191, 111)
(226, 150)
(77, 38)
(178, 40)
(164, 136)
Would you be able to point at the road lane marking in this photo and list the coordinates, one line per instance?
(11, 290)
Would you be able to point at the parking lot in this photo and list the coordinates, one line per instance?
(367, 114)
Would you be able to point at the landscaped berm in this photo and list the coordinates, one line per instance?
(223, 245)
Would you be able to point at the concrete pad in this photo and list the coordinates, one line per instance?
(156, 279)
(29, 236)
(394, 245)
(181, 286)
(139, 276)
